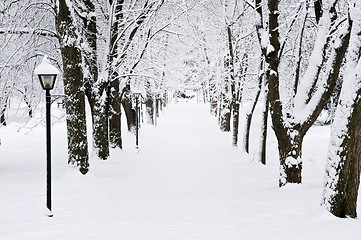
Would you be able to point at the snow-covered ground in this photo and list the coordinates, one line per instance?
(187, 182)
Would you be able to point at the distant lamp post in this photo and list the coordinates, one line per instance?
(137, 94)
(47, 74)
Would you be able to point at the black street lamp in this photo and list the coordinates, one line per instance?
(137, 94)
(47, 74)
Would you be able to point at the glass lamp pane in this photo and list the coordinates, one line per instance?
(47, 81)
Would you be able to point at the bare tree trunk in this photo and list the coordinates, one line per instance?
(161, 104)
(157, 107)
(213, 108)
(264, 127)
(149, 104)
(165, 99)
(150, 110)
(4, 105)
(235, 109)
(318, 9)
(2, 113)
(129, 111)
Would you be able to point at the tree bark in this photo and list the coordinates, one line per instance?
(128, 109)
(100, 127)
(249, 121)
(290, 151)
(115, 133)
(234, 104)
(290, 133)
(225, 104)
(73, 88)
(93, 89)
(149, 104)
(344, 202)
(157, 107)
(2, 114)
(318, 9)
(114, 96)
(344, 158)
(235, 122)
(213, 97)
(264, 127)
(225, 114)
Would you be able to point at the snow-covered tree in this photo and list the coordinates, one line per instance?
(344, 165)
(294, 112)
(25, 31)
(96, 40)
(73, 77)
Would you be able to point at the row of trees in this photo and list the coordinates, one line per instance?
(291, 56)
(103, 49)
(296, 56)
(104, 81)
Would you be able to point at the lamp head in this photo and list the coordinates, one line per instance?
(47, 74)
(137, 93)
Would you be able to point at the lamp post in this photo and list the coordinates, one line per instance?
(47, 74)
(137, 94)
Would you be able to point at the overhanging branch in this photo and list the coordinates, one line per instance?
(25, 31)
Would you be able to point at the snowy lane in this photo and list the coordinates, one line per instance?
(186, 183)
(179, 175)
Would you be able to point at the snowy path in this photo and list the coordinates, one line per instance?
(186, 183)
(179, 186)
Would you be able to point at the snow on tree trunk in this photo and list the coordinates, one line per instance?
(100, 127)
(291, 123)
(343, 168)
(235, 122)
(93, 89)
(249, 116)
(213, 96)
(260, 29)
(225, 105)
(264, 127)
(3, 106)
(115, 134)
(114, 96)
(290, 154)
(2, 116)
(225, 114)
(73, 88)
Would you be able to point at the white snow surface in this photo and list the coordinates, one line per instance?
(45, 67)
(186, 183)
